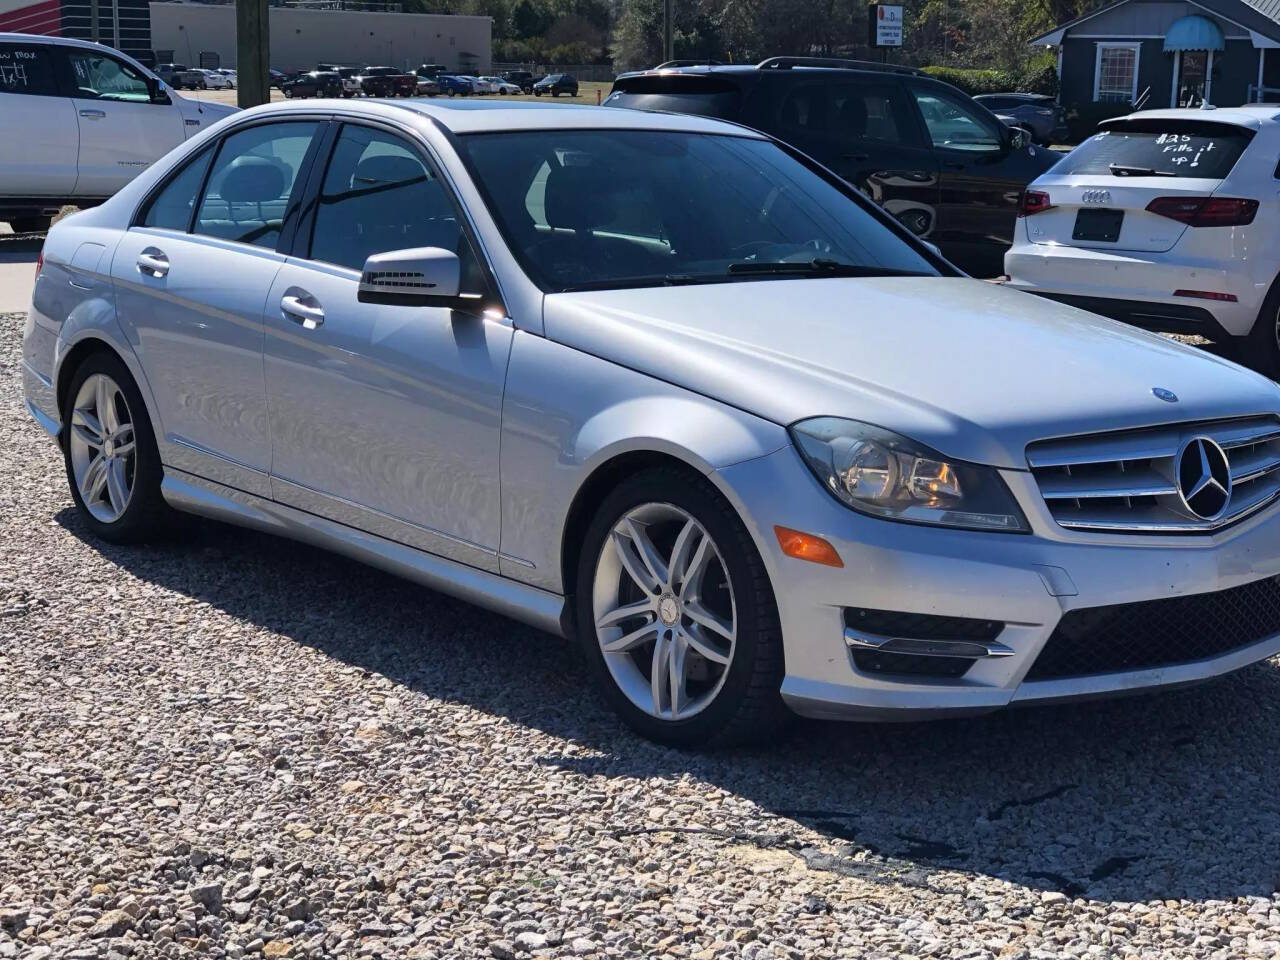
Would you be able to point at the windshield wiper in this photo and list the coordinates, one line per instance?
(1125, 170)
(819, 267)
(656, 280)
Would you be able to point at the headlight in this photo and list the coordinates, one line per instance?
(887, 475)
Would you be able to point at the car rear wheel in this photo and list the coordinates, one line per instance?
(113, 465)
(676, 614)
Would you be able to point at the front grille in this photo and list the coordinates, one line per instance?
(1159, 633)
(1128, 481)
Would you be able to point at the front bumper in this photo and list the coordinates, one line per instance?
(1026, 581)
(1138, 287)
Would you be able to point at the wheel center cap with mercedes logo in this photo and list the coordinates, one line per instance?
(1204, 478)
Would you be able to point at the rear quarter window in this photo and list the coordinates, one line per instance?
(1180, 149)
(27, 69)
(699, 95)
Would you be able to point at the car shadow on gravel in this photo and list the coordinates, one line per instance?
(1175, 796)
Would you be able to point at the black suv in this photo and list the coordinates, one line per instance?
(522, 79)
(555, 84)
(944, 165)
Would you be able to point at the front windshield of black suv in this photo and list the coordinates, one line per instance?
(598, 209)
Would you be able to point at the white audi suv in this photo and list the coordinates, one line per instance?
(1167, 219)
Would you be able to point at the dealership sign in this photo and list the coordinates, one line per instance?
(886, 25)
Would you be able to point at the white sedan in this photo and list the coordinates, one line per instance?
(1169, 220)
(498, 85)
(215, 80)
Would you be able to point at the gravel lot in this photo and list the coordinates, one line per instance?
(232, 745)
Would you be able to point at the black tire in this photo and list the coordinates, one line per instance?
(147, 515)
(30, 224)
(748, 707)
(288, 93)
(1259, 349)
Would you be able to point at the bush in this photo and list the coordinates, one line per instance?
(1042, 78)
(974, 82)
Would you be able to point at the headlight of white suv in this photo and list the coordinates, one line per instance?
(881, 473)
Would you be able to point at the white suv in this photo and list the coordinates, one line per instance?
(91, 119)
(1167, 219)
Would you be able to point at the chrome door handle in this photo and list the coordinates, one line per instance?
(93, 114)
(153, 262)
(306, 314)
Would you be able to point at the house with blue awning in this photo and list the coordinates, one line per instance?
(1161, 53)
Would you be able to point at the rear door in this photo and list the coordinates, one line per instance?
(866, 131)
(41, 138)
(1116, 190)
(122, 131)
(192, 276)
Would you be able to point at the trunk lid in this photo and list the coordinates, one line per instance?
(1099, 193)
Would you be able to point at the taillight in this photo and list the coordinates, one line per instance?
(1033, 201)
(1206, 211)
(39, 262)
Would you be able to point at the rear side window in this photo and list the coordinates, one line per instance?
(171, 208)
(1154, 148)
(705, 96)
(860, 111)
(27, 69)
(251, 183)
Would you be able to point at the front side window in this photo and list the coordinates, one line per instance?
(1117, 73)
(171, 208)
(955, 125)
(252, 181)
(622, 208)
(106, 78)
(380, 195)
(27, 69)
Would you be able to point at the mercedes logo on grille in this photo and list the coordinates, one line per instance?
(1204, 478)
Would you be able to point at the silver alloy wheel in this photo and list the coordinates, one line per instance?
(103, 448)
(664, 609)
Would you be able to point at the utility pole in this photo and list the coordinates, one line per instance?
(668, 48)
(253, 42)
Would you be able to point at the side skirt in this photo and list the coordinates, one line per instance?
(538, 608)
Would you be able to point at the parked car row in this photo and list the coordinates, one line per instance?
(429, 80)
(806, 465)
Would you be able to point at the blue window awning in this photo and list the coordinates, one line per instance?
(1193, 33)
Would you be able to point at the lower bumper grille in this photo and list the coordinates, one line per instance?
(919, 644)
(1159, 633)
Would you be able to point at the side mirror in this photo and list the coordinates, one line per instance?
(1017, 138)
(155, 90)
(421, 276)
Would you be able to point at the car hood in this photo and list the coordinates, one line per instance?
(973, 369)
(198, 115)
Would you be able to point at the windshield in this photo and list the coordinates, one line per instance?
(1155, 148)
(593, 209)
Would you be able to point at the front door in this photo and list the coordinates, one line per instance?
(38, 133)
(121, 130)
(866, 132)
(384, 418)
(1193, 71)
(981, 178)
(190, 293)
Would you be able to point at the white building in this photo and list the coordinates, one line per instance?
(301, 38)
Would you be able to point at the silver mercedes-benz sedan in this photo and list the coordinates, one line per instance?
(667, 385)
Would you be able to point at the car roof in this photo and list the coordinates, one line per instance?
(1252, 115)
(478, 116)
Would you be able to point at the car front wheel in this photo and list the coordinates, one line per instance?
(677, 616)
(113, 465)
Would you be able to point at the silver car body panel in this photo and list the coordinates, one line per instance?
(494, 449)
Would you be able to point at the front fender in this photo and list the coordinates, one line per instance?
(566, 414)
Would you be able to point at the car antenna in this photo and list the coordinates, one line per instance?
(196, 91)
